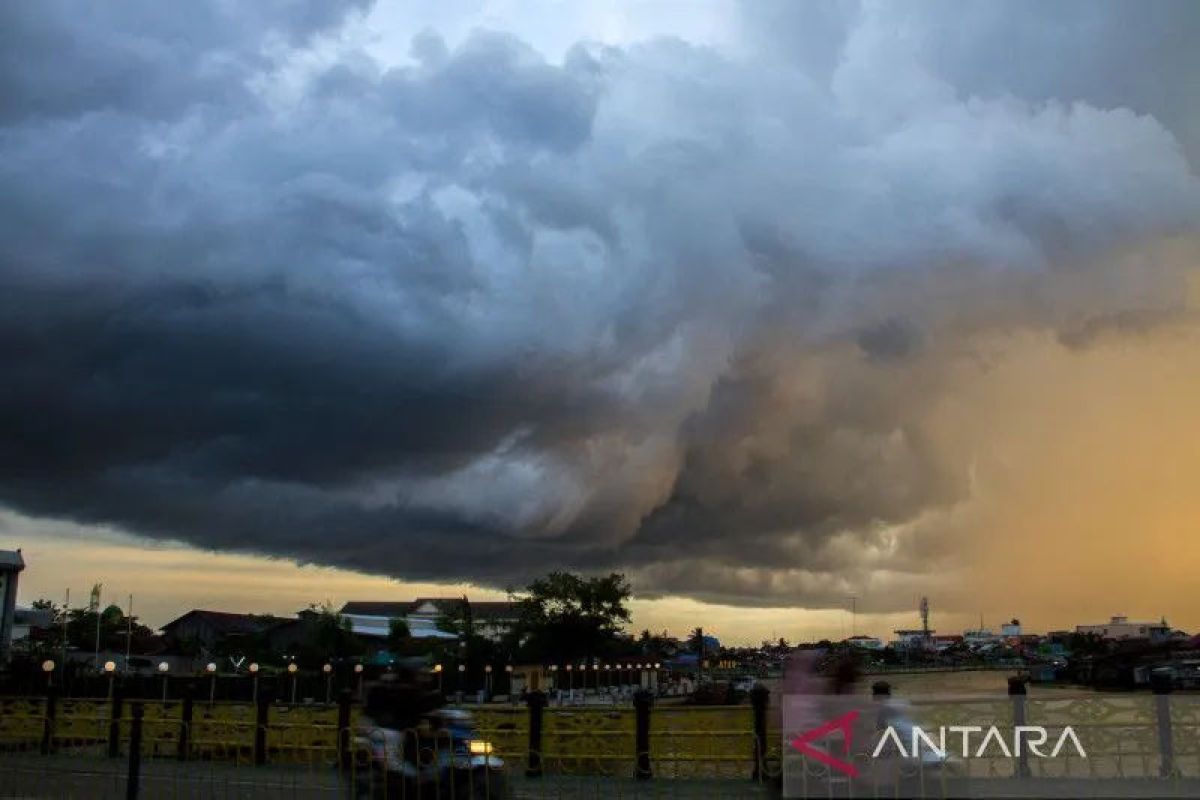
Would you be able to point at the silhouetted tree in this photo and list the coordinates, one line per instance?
(566, 617)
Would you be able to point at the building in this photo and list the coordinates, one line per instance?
(208, 627)
(865, 642)
(980, 639)
(11, 564)
(490, 619)
(374, 620)
(913, 638)
(1120, 628)
(287, 635)
(946, 640)
(31, 623)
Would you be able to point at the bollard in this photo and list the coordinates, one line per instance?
(260, 728)
(881, 693)
(343, 723)
(1162, 685)
(642, 700)
(185, 722)
(537, 708)
(48, 722)
(1017, 692)
(759, 696)
(133, 779)
(114, 723)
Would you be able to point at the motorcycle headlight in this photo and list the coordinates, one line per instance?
(478, 747)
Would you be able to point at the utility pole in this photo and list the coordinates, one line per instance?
(129, 633)
(96, 603)
(853, 615)
(66, 616)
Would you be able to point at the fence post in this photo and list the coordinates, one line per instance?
(642, 701)
(759, 696)
(114, 723)
(1017, 693)
(537, 708)
(343, 723)
(133, 778)
(185, 722)
(1162, 685)
(48, 722)
(262, 711)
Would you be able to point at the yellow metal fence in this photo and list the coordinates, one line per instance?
(1121, 734)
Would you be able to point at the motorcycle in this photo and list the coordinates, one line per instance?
(442, 757)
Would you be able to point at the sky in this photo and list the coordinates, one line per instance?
(765, 304)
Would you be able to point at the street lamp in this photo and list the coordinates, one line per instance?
(328, 670)
(487, 681)
(48, 668)
(358, 670)
(254, 672)
(437, 669)
(212, 683)
(292, 670)
(110, 668)
(163, 669)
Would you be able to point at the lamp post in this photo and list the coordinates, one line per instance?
(437, 669)
(554, 681)
(462, 675)
(570, 681)
(508, 675)
(292, 670)
(328, 670)
(163, 669)
(48, 668)
(358, 670)
(254, 676)
(212, 682)
(110, 668)
(487, 681)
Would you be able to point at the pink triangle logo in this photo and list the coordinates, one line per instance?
(844, 724)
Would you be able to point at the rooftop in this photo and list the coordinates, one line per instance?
(225, 622)
(480, 609)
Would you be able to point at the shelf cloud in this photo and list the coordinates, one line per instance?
(715, 314)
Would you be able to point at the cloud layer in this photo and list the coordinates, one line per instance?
(690, 311)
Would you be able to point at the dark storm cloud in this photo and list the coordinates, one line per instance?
(481, 314)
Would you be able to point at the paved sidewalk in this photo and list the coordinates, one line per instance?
(27, 775)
